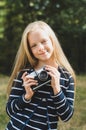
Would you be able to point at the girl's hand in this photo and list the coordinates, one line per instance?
(55, 78)
(28, 81)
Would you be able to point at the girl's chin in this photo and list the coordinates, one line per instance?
(45, 58)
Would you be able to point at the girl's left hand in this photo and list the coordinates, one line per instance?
(55, 78)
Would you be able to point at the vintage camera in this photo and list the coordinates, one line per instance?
(42, 77)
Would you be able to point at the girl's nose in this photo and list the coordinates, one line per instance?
(40, 47)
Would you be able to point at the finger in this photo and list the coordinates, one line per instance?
(27, 82)
(29, 76)
(51, 74)
(31, 80)
(30, 84)
(53, 70)
(54, 74)
(24, 74)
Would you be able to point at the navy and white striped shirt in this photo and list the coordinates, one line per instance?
(42, 111)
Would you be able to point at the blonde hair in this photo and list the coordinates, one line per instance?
(24, 55)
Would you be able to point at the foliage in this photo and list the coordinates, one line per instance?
(67, 18)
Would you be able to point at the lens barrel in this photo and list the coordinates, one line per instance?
(43, 76)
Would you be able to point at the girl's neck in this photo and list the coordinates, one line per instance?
(51, 63)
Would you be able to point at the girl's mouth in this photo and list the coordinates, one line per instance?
(43, 53)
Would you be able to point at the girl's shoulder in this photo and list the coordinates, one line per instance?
(66, 76)
(64, 72)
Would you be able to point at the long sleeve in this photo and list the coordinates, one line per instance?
(16, 100)
(64, 100)
(44, 108)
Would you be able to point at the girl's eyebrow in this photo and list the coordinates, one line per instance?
(33, 44)
(44, 39)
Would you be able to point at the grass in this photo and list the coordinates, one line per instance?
(3, 115)
(77, 122)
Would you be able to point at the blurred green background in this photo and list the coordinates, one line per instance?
(68, 20)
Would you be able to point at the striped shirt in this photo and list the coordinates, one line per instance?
(43, 110)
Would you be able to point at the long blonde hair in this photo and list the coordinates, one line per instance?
(24, 55)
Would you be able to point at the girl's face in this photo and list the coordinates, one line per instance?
(41, 45)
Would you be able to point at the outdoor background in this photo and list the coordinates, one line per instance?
(68, 20)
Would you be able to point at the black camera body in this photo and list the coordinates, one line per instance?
(42, 77)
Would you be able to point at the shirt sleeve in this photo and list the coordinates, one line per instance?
(16, 101)
(64, 100)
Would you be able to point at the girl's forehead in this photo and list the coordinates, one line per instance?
(38, 33)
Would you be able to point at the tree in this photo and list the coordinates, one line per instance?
(67, 18)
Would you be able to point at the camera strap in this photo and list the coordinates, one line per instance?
(39, 86)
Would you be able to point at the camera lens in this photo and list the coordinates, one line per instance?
(43, 76)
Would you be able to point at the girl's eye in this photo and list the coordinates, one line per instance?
(34, 45)
(44, 41)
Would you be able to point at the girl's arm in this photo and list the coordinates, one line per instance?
(16, 101)
(64, 100)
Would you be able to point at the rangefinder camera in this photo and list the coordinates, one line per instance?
(41, 76)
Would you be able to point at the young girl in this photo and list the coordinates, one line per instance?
(40, 108)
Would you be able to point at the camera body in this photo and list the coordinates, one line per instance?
(41, 76)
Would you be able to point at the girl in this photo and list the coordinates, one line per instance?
(40, 109)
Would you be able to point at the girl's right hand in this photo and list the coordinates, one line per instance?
(28, 81)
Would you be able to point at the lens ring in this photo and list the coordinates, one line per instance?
(43, 76)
